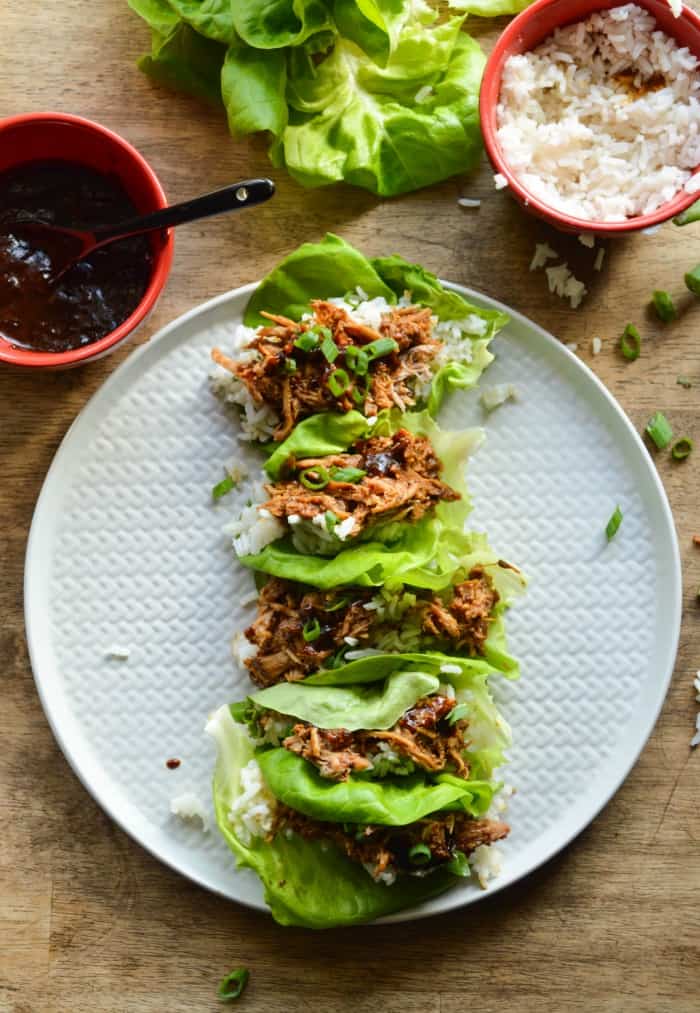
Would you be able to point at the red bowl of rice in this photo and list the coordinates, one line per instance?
(531, 29)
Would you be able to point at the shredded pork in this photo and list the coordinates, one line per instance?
(463, 619)
(423, 735)
(294, 382)
(381, 848)
(401, 482)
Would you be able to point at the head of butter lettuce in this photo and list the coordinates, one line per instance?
(311, 883)
(372, 92)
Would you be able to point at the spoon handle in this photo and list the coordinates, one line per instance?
(231, 198)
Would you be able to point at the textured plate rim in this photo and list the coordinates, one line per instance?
(446, 902)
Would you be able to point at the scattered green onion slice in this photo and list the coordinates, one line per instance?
(664, 306)
(232, 986)
(338, 382)
(613, 524)
(382, 346)
(331, 521)
(315, 478)
(341, 603)
(420, 854)
(684, 381)
(222, 487)
(458, 712)
(357, 396)
(690, 215)
(459, 865)
(631, 342)
(329, 348)
(682, 448)
(307, 342)
(351, 475)
(692, 280)
(311, 631)
(290, 365)
(659, 430)
(356, 359)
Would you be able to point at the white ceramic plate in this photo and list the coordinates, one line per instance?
(126, 548)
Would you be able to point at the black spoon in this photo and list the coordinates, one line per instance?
(67, 246)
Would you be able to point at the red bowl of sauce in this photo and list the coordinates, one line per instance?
(70, 171)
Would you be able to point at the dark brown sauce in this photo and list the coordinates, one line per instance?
(94, 296)
(173, 764)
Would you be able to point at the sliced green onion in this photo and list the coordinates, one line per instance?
(382, 346)
(690, 215)
(358, 396)
(315, 478)
(692, 280)
(459, 865)
(659, 430)
(458, 713)
(329, 348)
(331, 521)
(341, 603)
(351, 475)
(356, 359)
(232, 986)
(420, 854)
(613, 524)
(664, 306)
(682, 448)
(684, 381)
(307, 342)
(631, 342)
(338, 382)
(222, 487)
(290, 365)
(311, 631)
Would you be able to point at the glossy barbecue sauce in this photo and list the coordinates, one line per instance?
(94, 296)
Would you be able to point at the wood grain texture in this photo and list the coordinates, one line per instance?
(88, 920)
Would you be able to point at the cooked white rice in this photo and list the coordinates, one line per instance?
(543, 253)
(190, 807)
(495, 396)
(581, 139)
(253, 811)
(486, 862)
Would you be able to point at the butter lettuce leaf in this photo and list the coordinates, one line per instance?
(253, 89)
(353, 120)
(318, 436)
(489, 8)
(276, 24)
(186, 61)
(377, 706)
(211, 18)
(393, 801)
(321, 270)
(379, 666)
(307, 883)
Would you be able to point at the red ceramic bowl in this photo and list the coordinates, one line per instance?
(525, 33)
(42, 136)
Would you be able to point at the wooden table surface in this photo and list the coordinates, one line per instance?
(88, 920)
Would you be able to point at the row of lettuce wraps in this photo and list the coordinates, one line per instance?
(359, 776)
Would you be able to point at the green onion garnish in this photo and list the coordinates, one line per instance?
(232, 986)
(613, 524)
(338, 382)
(382, 346)
(356, 359)
(690, 215)
(329, 348)
(692, 280)
(420, 854)
(664, 306)
(307, 342)
(458, 713)
(659, 430)
(331, 521)
(315, 478)
(684, 381)
(352, 475)
(357, 396)
(290, 365)
(458, 865)
(631, 342)
(311, 631)
(222, 487)
(682, 448)
(339, 604)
